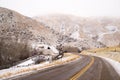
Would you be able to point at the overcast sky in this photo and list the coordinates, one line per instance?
(84, 8)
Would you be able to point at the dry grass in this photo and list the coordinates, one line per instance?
(109, 52)
(12, 52)
(112, 55)
(107, 49)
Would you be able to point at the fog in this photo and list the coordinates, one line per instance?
(84, 8)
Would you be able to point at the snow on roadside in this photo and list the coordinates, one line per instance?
(14, 71)
(26, 62)
(115, 64)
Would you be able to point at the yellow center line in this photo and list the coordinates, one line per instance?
(77, 75)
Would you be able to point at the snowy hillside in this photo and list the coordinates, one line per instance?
(101, 29)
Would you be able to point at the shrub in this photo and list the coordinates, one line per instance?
(12, 52)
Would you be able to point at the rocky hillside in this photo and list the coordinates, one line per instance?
(14, 26)
(91, 31)
(18, 33)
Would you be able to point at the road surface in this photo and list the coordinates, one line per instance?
(85, 68)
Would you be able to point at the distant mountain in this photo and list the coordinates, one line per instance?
(100, 30)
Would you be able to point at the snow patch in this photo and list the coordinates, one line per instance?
(28, 62)
(54, 49)
(16, 71)
(100, 36)
(115, 64)
(45, 46)
(112, 28)
(75, 35)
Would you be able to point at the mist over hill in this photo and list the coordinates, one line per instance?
(104, 30)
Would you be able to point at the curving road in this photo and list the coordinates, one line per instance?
(85, 68)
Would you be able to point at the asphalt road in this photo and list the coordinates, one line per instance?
(85, 68)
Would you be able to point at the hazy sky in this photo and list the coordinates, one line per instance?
(84, 8)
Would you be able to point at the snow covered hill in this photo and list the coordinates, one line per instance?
(101, 29)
